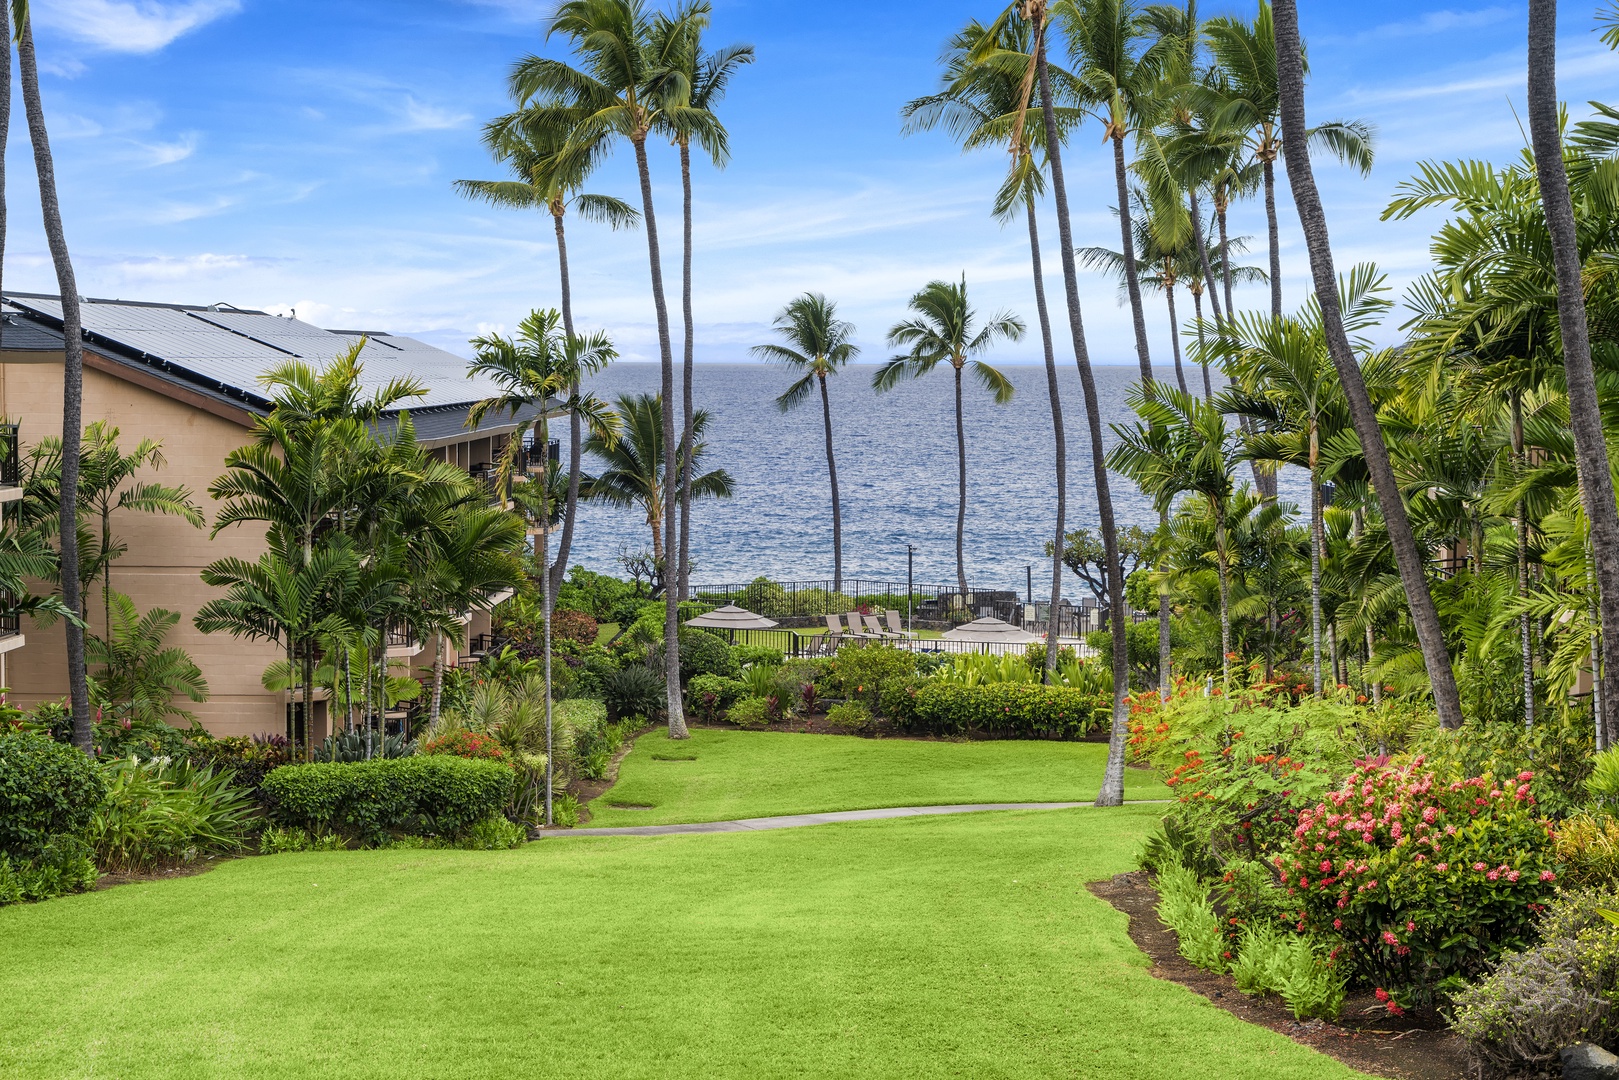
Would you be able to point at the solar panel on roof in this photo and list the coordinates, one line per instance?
(236, 348)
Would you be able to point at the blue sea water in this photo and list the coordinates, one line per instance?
(896, 458)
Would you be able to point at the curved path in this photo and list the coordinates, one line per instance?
(794, 821)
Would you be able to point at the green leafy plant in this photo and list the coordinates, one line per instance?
(366, 801)
(63, 866)
(351, 746)
(162, 813)
(711, 695)
(853, 717)
(750, 712)
(1001, 708)
(1184, 907)
(634, 691)
(1588, 849)
(47, 789)
(1603, 785)
(747, 655)
(493, 833)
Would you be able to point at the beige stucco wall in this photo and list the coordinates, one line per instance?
(165, 554)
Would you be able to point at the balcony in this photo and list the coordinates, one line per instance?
(10, 464)
(535, 457)
(11, 635)
(401, 641)
(487, 476)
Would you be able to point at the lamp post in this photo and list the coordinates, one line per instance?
(910, 588)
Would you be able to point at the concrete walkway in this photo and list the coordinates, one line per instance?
(794, 821)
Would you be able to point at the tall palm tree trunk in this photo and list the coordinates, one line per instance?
(5, 122)
(686, 372)
(545, 613)
(832, 475)
(1521, 523)
(1275, 239)
(1225, 591)
(1164, 642)
(1197, 309)
(1175, 336)
(309, 700)
(570, 512)
(1317, 539)
(1112, 790)
(1585, 418)
(671, 488)
(1053, 626)
(440, 643)
(1220, 209)
(961, 490)
(1424, 616)
(1132, 279)
(72, 382)
(1203, 259)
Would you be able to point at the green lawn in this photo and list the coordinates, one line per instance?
(743, 774)
(938, 947)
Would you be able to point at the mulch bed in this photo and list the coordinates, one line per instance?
(167, 873)
(1415, 1047)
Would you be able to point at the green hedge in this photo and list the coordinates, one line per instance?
(425, 795)
(47, 789)
(1012, 710)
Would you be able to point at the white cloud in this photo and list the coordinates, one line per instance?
(135, 26)
(155, 154)
(420, 116)
(1435, 22)
(174, 213)
(166, 268)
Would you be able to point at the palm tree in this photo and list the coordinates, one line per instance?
(986, 82)
(635, 474)
(708, 75)
(72, 367)
(1313, 221)
(1112, 789)
(1286, 382)
(942, 331)
(1163, 254)
(1247, 99)
(631, 75)
(533, 369)
(1585, 416)
(139, 676)
(1183, 444)
(818, 344)
(551, 173)
(1118, 70)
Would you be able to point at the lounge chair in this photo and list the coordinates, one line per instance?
(875, 627)
(856, 630)
(895, 627)
(835, 633)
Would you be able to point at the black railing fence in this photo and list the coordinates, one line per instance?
(10, 456)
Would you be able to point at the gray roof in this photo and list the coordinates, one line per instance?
(225, 350)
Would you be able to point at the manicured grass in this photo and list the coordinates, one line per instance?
(943, 947)
(743, 774)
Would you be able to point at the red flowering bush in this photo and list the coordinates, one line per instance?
(1425, 881)
(573, 626)
(466, 744)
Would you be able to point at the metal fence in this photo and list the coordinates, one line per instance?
(926, 603)
(10, 456)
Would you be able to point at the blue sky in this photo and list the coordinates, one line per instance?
(292, 154)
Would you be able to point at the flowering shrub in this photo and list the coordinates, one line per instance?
(573, 626)
(466, 744)
(1425, 881)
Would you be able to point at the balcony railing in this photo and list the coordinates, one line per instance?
(400, 636)
(11, 622)
(536, 456)
(487, 477)
(10, 456)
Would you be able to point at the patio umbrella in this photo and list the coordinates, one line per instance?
(991, 632)
(731, 617)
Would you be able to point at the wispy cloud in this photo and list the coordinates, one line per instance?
(206, 266)
(167, 153)
(134, 26)
(420, 116)
(1433, 22)
(1507, 73)
(175, 212)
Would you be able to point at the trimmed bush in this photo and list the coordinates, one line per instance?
(750, 712)
(1007, 709)
(47, 789)
(756, 654)
(63, 866)
(426, 795)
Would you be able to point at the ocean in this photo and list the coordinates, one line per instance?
(896, 458)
